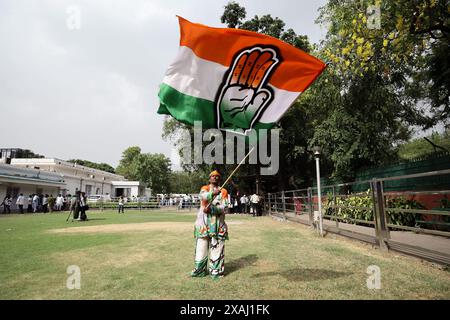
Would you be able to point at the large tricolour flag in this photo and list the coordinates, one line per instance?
(234, 79)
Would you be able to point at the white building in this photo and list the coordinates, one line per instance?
(14, 181)
(128, 188)
(80, 178)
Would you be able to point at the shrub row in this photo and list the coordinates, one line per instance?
(349, 208)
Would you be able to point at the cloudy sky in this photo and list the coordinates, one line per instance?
(90, 92)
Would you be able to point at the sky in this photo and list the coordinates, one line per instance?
(87, 88)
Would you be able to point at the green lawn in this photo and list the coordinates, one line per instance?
(148, 255)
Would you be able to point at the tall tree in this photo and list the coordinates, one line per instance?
(187, 182)
(127, 165)
(233, 15)
(152, 169)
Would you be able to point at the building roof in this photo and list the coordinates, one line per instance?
(54, 161)
(14, 174)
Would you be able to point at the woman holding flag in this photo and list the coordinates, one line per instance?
(210, 229)
(233, 80)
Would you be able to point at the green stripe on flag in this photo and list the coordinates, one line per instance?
(185, 108)
(188, 109)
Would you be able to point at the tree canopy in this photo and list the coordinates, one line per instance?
(425, 146)
(100, 166)
(153, 169)
(234, 16)
(187, 182)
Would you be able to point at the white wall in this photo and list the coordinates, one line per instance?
(134, 191)
(73, 184)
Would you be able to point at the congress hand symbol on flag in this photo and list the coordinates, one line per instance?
(245, 93)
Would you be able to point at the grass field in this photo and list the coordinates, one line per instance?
(149, 254)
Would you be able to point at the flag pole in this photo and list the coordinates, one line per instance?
(232, 173)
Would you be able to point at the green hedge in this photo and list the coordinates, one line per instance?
(347, 211)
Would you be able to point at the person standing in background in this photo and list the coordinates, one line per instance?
(51, 203)
(254, 200)
(59, 202)
(237, 204)
(66, 202)
(45, 203)
(75, 205)
(121, 204)
(30, 204)
(20, 202)
(259, 206)
(35, 203)
(41, 203)
(244, 203)
(6, 204)
(83, 207)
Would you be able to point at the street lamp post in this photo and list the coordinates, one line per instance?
(319, 194)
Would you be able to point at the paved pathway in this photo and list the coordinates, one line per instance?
(431, 242)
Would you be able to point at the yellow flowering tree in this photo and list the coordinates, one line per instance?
(406, 42)
(381, 57)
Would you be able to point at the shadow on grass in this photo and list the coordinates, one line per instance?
(89, 219)
(240, 263)
(305, 275)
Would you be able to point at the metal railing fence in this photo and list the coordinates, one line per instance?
(375, 213)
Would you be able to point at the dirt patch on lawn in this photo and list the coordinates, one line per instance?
(127, 227)
(92, 260)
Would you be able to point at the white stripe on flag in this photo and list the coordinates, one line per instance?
(194, 76)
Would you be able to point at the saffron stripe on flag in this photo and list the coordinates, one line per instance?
(297, 71)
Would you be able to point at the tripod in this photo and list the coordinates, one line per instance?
(70, 213)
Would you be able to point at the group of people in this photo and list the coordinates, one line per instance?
(35, 203)
(185, 201)
(79, 206)
(236, 204)
(44, 203)
(246, 205)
